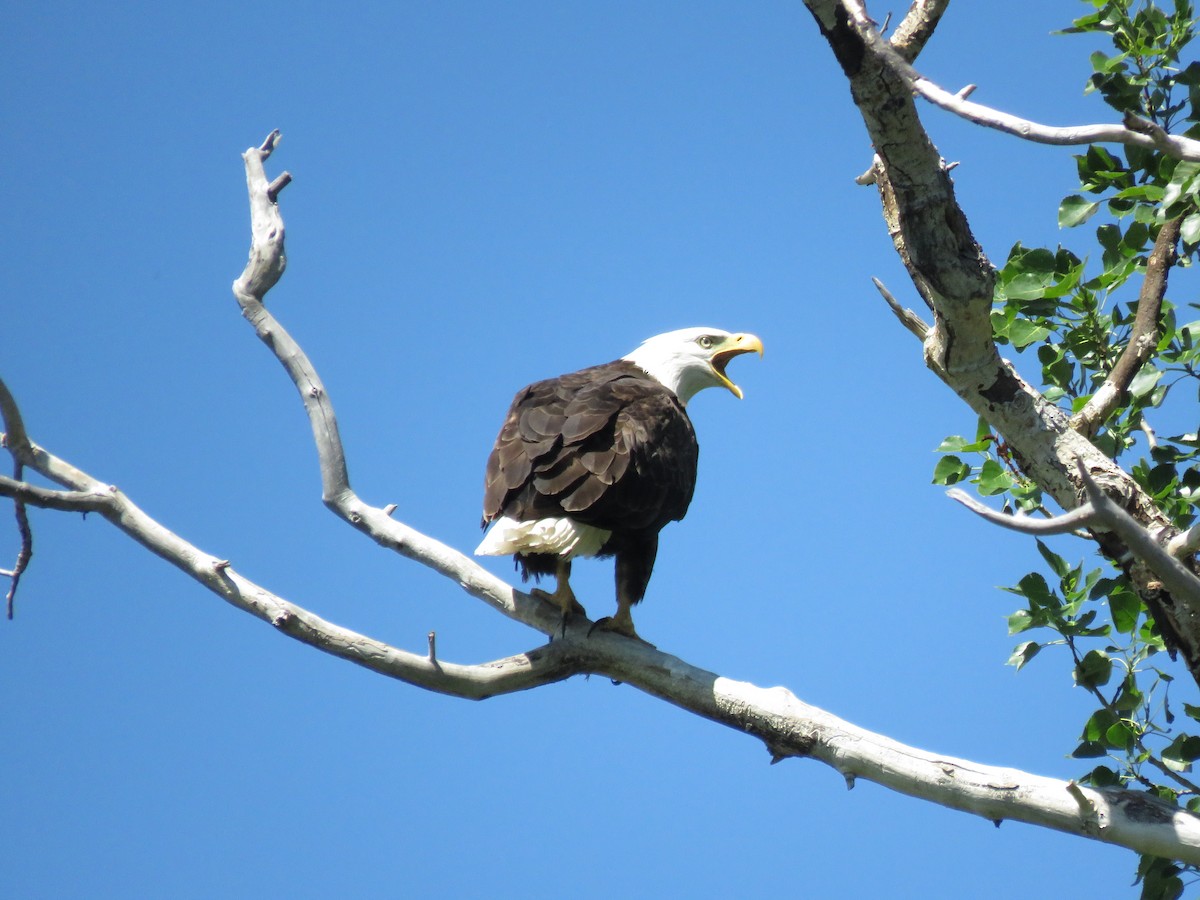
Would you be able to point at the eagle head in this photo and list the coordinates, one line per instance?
(691, 359)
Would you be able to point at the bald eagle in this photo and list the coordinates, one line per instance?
(596, 462)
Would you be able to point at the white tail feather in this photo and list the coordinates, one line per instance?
(558, 536)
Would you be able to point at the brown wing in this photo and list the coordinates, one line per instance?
(609, 446)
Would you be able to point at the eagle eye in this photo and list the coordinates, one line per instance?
(705, 341)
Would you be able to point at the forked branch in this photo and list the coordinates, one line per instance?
(786, 725)
(1133, 131)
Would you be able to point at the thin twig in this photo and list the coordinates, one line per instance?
(907, 317)
(16, 441)
(25, 553)
(278, 185)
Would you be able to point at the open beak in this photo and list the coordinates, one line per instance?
(734, 345)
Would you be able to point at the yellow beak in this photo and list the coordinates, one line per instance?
(734, 345)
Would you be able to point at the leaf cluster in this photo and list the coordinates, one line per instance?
(1077, 311)
(1143, 75)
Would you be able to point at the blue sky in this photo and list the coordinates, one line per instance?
(485, 195)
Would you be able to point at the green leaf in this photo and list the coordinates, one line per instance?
(993, 479)
(1089, 750)
(1033, 587)
(1094, 670)
(1184, 749)
(1021, 620)
(1125, 607)
(1160, 879)
(1182, 183)
(1120, 736)
(1144, 381)
(950, 470)
(1109, 237)
(1023, 653)
(1099, 723)
(1190, 229)
(1023, 332)
(1103, 776)
(1075, 210)
(956, 443)
(1058, 565)
(1129, 698)
(1027, 286)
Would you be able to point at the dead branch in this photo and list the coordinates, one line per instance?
(786, 725)
(86, 494)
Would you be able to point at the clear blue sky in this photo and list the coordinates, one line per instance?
(486, 194)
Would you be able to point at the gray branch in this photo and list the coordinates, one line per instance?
(953, 275)
(1102, 513)
(915, 30)
(1080, 517)
(1133, 131)
(86, 494)
(265, 265)
(786, 725)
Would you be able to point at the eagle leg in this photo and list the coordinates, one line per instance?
(563, 597)
(621, 623)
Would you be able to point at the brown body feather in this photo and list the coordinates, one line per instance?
(608, 446)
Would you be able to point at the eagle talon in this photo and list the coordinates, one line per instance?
(566, 603)
(617, 625)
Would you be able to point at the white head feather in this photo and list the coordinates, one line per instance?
(691, 359)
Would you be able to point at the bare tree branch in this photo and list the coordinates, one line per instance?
(516, 673)
(265, 265)
(786, 725)
(1133, 131)
(907, 317)
(1185, 543)
(1142, 340)
(17, 442)
(49, 498)
(1102, 513)
(951, 272)
(917, 27)
(24, 554)
(1080, 517)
